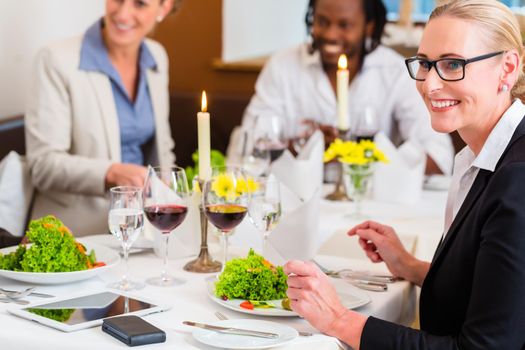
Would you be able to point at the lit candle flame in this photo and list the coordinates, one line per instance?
(204, 102)
(342, 62)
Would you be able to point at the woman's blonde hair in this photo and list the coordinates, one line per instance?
(500, 28)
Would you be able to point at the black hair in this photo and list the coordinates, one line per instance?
(375, 11)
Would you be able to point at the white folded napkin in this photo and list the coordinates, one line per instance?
(16, 191)
(400, 180)
(304, 174)
(296, 235)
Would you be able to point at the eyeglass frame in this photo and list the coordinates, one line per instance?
(433, 64)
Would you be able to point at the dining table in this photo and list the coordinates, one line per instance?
(419, 224)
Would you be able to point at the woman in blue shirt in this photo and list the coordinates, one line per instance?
(98, 113)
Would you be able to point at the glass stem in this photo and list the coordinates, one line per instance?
(225, 249)
(125, 251)
(265, 243)
(164, 273)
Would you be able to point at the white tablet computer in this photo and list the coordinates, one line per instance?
(82, 311)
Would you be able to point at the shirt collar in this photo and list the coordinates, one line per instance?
(499, 137)
(94, 54)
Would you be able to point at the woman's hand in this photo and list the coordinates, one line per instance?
(123, 174)
(381, 243)
(313, 297)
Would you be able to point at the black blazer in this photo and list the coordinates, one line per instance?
(473, 296)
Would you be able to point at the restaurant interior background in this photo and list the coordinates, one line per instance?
(217, 45)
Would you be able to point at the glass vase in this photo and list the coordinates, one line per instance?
(358, 179)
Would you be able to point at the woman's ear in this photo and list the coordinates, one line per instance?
(166, 8)
(510, 67)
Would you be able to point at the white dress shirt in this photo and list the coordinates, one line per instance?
(294, 86)
(467, 165)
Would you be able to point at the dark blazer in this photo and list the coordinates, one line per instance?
(473, 296)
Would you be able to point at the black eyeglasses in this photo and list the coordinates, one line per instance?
(448, 69)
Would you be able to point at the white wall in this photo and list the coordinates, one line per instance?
(27, 25)
(253, 28)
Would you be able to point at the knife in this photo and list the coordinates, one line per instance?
(232, 330)
(348, 274)
(35, 294)
(368, 285)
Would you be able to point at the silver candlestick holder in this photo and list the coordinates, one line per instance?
(204, 262)
(339, 193)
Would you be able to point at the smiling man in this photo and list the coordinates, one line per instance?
(299, 83)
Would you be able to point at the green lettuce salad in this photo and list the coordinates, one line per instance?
(251, 278)
(54, 249)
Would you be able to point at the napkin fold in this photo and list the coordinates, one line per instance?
(304, 174)
(296, 235)
(400, 180)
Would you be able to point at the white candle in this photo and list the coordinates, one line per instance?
(203, 127)
(342, 93)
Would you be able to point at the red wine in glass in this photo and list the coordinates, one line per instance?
(166, 217)
(225, 216)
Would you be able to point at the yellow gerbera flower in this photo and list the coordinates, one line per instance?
(223, 186)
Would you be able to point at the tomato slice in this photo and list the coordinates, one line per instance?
(246, 305)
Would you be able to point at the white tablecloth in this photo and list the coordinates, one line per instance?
(190, 301)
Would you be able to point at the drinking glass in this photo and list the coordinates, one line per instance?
(366, 124)
(166, 198)
(265, 208)
(225, 198)
(126, 220)
(303, 129)
(254, 160)
(269, 135)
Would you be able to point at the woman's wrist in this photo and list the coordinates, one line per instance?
(348, 328)
(417, 271)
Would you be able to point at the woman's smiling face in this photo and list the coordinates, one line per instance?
(463, 104)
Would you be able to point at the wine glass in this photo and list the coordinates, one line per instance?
(269, 135)
(265, 207)
(254, 160)
(166, 197)
(225, 198)
(303, 130)
(366, 124)
(126, 220)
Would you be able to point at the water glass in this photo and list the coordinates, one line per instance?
(126, 221)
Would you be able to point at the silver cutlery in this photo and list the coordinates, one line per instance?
(233, 330)
(223, 317)
(16, 301)
(374, 283)
(16, 294)
(12, 294)
(361, 275)
(368, 285)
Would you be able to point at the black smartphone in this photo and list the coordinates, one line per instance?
(133, 330)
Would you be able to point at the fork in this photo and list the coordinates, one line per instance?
(223, 317)
(11, 294)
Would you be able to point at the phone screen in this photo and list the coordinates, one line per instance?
(89, 308)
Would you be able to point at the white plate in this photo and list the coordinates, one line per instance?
(104, 254)
(351, 298)
(233, 341)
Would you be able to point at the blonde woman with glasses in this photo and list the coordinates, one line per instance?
(469, 72)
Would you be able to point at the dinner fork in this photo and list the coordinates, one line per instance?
(11, 294)
(223, 317)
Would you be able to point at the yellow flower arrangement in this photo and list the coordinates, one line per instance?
(225, 186)
(350, 152)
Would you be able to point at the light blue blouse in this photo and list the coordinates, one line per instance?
(136, 118)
